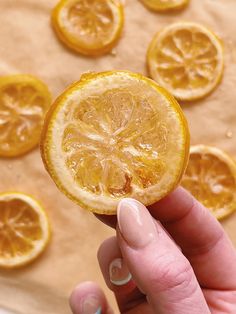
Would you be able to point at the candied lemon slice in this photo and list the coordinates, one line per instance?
(23, 102)
(113, 135)
(90, 27)
(211, 178)
(24, 229)
(165, 5)
(187, 59)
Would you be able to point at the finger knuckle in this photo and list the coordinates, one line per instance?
(170, 273)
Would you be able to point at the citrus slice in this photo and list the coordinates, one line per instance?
(23, 102)
(113, 135)
(165, 5)
(187, 59)
(24, 229)
(90, 27)
(211, 178)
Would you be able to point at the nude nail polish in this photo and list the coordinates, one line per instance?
(135, 223)
(91, 305)
(119, 273)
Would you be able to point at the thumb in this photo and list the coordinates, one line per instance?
(157, 265)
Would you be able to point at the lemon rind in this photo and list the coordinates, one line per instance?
(188, 95)
(227, 159)
(42, 244)
(46, 139)
(42, 88)
(72, 44)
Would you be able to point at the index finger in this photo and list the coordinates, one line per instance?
(201, 238)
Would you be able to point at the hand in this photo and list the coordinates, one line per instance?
(173, 259)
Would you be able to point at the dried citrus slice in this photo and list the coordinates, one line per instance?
(24, 229)
(165, 5)
(90, 27)
(187, 59)
(23, 102)
(113, 135)
(211, 178)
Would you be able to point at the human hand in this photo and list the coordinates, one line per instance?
(199, 278)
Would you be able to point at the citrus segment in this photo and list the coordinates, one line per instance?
(24, 229)
(23, 103)
(165, 5)
(90, 27)
(211, 178)
(113, 135)
(187, 59)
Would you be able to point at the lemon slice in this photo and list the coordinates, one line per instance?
(23, 102)
(113, 135)
(165, 5)
(211, 178)
(187, 59)
(89, 27)
(24, 229)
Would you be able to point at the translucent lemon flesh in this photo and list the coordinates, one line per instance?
(115, 140)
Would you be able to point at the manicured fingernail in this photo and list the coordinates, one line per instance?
(119, 273)
(91, 305)
(135, 223)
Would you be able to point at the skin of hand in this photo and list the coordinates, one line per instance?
(173, 258)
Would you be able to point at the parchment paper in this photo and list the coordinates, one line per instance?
(29, 45)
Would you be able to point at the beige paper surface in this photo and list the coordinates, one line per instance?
(29, 45)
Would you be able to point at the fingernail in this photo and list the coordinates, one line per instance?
(135, 223)
(91, 305)
(119, 273)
